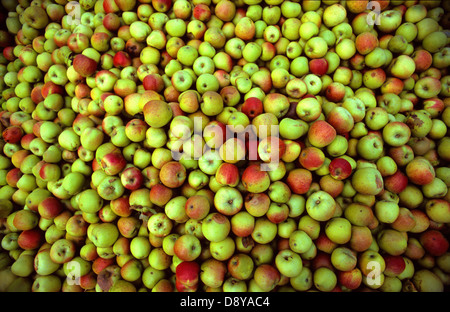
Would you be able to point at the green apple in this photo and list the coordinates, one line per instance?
(321, 206)
(104, 234)
(288, 263)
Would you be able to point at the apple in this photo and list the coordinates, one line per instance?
(296, 88)
(187, 275)
(402, 67)
(425, 280)
(308, 109)
(172, 174)
(288, 263)
(315, 48)
(50, 208)
(340, 168)
(324, 279)
(30, 239)
(132, 178)
(228, 200)
(396, 133)
(216, 227)
(320, 206)
(254, 179)
(157, 113)
(366, 42)
(257, 204)
(187, 247)
(367, 181)
(321, 133)
(311, 158)
(266, 276)
(84, 65)
(420, 171)
(434, 242)
(299, 180)
(25, 220)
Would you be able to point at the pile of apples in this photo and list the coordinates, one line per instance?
(218, 145)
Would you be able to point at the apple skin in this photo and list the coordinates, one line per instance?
(350, 279)
(113, 163)
(271, 149)
(420, 171)
(50, 208)
(216, 227)
(252, 107)
(321, 133)
(311, 158)
(396, 182)
(132, 178)
(434, 242)
(299, 180)
(197, 207)
(25, 220)
(257, 204)
(254, 179)
(367, 181)
(30, 239)
(228, 174)
(341, 120)
(172, 174)
(335, 91)
(84, 65)
(187, 247)
(157, 113)
(319, 66)
(321, 206)
(436, 209)
(187, 276)
(366, 42)
(266, 276)
(340, 169)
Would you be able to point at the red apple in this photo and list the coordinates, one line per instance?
(254, 179)
(84, 65)
(396, 183)
(350, 279)
(394, 265)
(121, 206)
(132, 178)
(187, 275)
(318, 66)
(50, 207)
(321, 133)
(335, 92)
(227, 174)
(160, 194)
(172, 174)
(252, 107)
(299, 180)
(121, 59)
(340, 168)
(434, 242)
(30, 239)
(311, 158)
(113, 163)
(12, 134)
(197, 207)
(153, 82)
